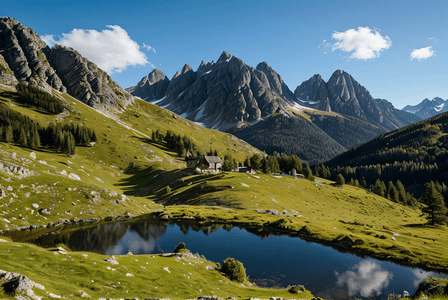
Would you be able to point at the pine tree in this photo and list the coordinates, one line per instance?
(392, 193)
(340, 179)
(8, 134)
(401, 193)
(435, 206)
(379, 188)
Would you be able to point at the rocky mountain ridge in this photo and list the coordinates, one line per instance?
(428, 108)
(255, 105)
(30, 60)
(343, 94)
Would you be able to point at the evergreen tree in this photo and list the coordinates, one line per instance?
(8, 134)
(401, 192)
(392, 193)
(435, 206)
(255, 162)
(379, 188)
(340, 179)
(228, 164)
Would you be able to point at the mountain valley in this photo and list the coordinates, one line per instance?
(78, 151)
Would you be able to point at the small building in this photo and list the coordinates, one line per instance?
(212, 162)
(204, 162)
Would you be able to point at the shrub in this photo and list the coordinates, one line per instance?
(234, 269)
(297, 289)
(180, 248)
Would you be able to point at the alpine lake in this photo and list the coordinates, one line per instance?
(271, 260)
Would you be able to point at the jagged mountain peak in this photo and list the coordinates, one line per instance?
(224, 57)
(428, 108)
(343, 94)
(186, 68)
(151, 87)
(25, 54)
(85, 81)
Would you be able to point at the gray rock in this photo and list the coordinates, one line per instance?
(26, 54)
(85, 81)
(272, 212)
(151, 87)
(13, 283)
(44, 211)
(344, 95)
(224, 94)
(6, 74)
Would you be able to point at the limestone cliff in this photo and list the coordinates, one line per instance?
(85, 81)
(25, 53)
(6, 74)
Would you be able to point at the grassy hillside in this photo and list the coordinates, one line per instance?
(415, 154)
(71, 274)
(127, 172)
(102, 173)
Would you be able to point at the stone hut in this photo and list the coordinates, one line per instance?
(212, 162)
(205, 162)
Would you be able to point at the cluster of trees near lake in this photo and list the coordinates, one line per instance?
(21, 130)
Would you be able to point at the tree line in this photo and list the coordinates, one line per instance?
(21, 130)
(39, 99)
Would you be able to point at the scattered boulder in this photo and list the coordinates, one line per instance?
(14, 283)
(272, 212)
(74, 176)
(85, 295)
(112, 260)
(33, 155)
(44, 211)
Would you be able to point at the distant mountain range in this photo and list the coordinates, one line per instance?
(428, 108)
(318, 121)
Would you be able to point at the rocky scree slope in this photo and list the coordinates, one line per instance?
(344, 95)
(60, 68)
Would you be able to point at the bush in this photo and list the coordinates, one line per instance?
(234, 269)
(180, 248)
(297, 289)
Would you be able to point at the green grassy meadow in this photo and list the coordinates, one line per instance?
(127, 172)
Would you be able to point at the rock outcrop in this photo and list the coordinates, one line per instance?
(25, 53)
(17, 284)
(151, 87)
(6, 74)
(25, 56)
(311, 90)
(344, 95)
(85, 81)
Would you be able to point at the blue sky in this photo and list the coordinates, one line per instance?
(374, 41)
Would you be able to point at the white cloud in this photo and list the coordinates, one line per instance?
(111, 49)
(365, 43)
(368, 279)
(48, 39)
(422, 53)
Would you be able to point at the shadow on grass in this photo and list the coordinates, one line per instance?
(176, 187)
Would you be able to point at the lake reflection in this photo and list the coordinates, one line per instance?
(272, 261)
